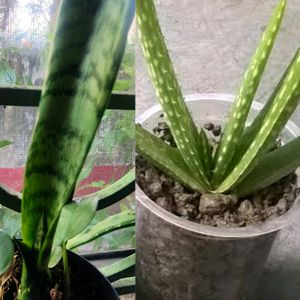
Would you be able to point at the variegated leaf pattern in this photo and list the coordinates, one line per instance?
(190, 144)
(164, 157)
(238, 115)
(88, 47)
(271, 167)
(251, 131)
(285, 103)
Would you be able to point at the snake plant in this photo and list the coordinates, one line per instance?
(86, 53)
(243, 161)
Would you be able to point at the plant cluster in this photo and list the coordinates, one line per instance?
(86, 54)
(243, 161)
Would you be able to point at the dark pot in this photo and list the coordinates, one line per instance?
(97, 282)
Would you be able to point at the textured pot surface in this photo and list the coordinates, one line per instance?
(179, 259)
(95, 279)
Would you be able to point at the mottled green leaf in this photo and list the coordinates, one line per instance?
(166, 158)
(271, 167)
(283, 106)
(112, 223)
(189, 142)
(85, 59)
(251, 131)
(118, 269)
(239, 112)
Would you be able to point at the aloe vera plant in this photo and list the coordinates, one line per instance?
(242, 162)
(87, 50)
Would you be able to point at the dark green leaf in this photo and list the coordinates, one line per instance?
(272, 167)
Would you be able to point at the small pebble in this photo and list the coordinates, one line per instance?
(209, 126)
(155, 188)
(246, 210)
(164, 203)
(217, 130)
(282, 205)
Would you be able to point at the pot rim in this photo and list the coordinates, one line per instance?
(249, 231)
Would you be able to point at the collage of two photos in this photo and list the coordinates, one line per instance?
(149, 150)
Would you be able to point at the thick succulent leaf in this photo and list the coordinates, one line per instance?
(125, 286)
(6, 252)
(4, 143)
(74, 219)
(10, 199)
(164, 157)
(239, 112)
(280, 111)
(272, 167)
(251, 131)
(118, 221)
(184, 131)
(120, 269)
(115, 191)
(88, 47)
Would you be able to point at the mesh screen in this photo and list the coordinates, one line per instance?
(26, 31)
(110, 156)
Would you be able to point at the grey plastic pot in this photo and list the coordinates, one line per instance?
(178, 259)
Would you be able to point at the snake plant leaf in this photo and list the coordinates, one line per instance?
(164, 157)
(4, 143)
(239, 112)
(251, 131)
(88, 47)
(6, 252)
(74, 219)
(10, 199)
(115, 191)
(123, 268)
(271, 167)
(112, 223)
(285, 103)
(125, 286)
(180, 122)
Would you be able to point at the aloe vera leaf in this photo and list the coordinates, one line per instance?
(165, 158)
(4, 143)
(239, 112)
(178, 117)
(88, 47)
(284, 105)
(115, 222)
(10, 199)
(6, 252)
(207, 151)
(251, 131)
(120, 269)
(271, 167)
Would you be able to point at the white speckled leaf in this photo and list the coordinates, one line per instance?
(285, 103)
(272, 167)
(164, 157)
(178, 117)
(238, 115)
